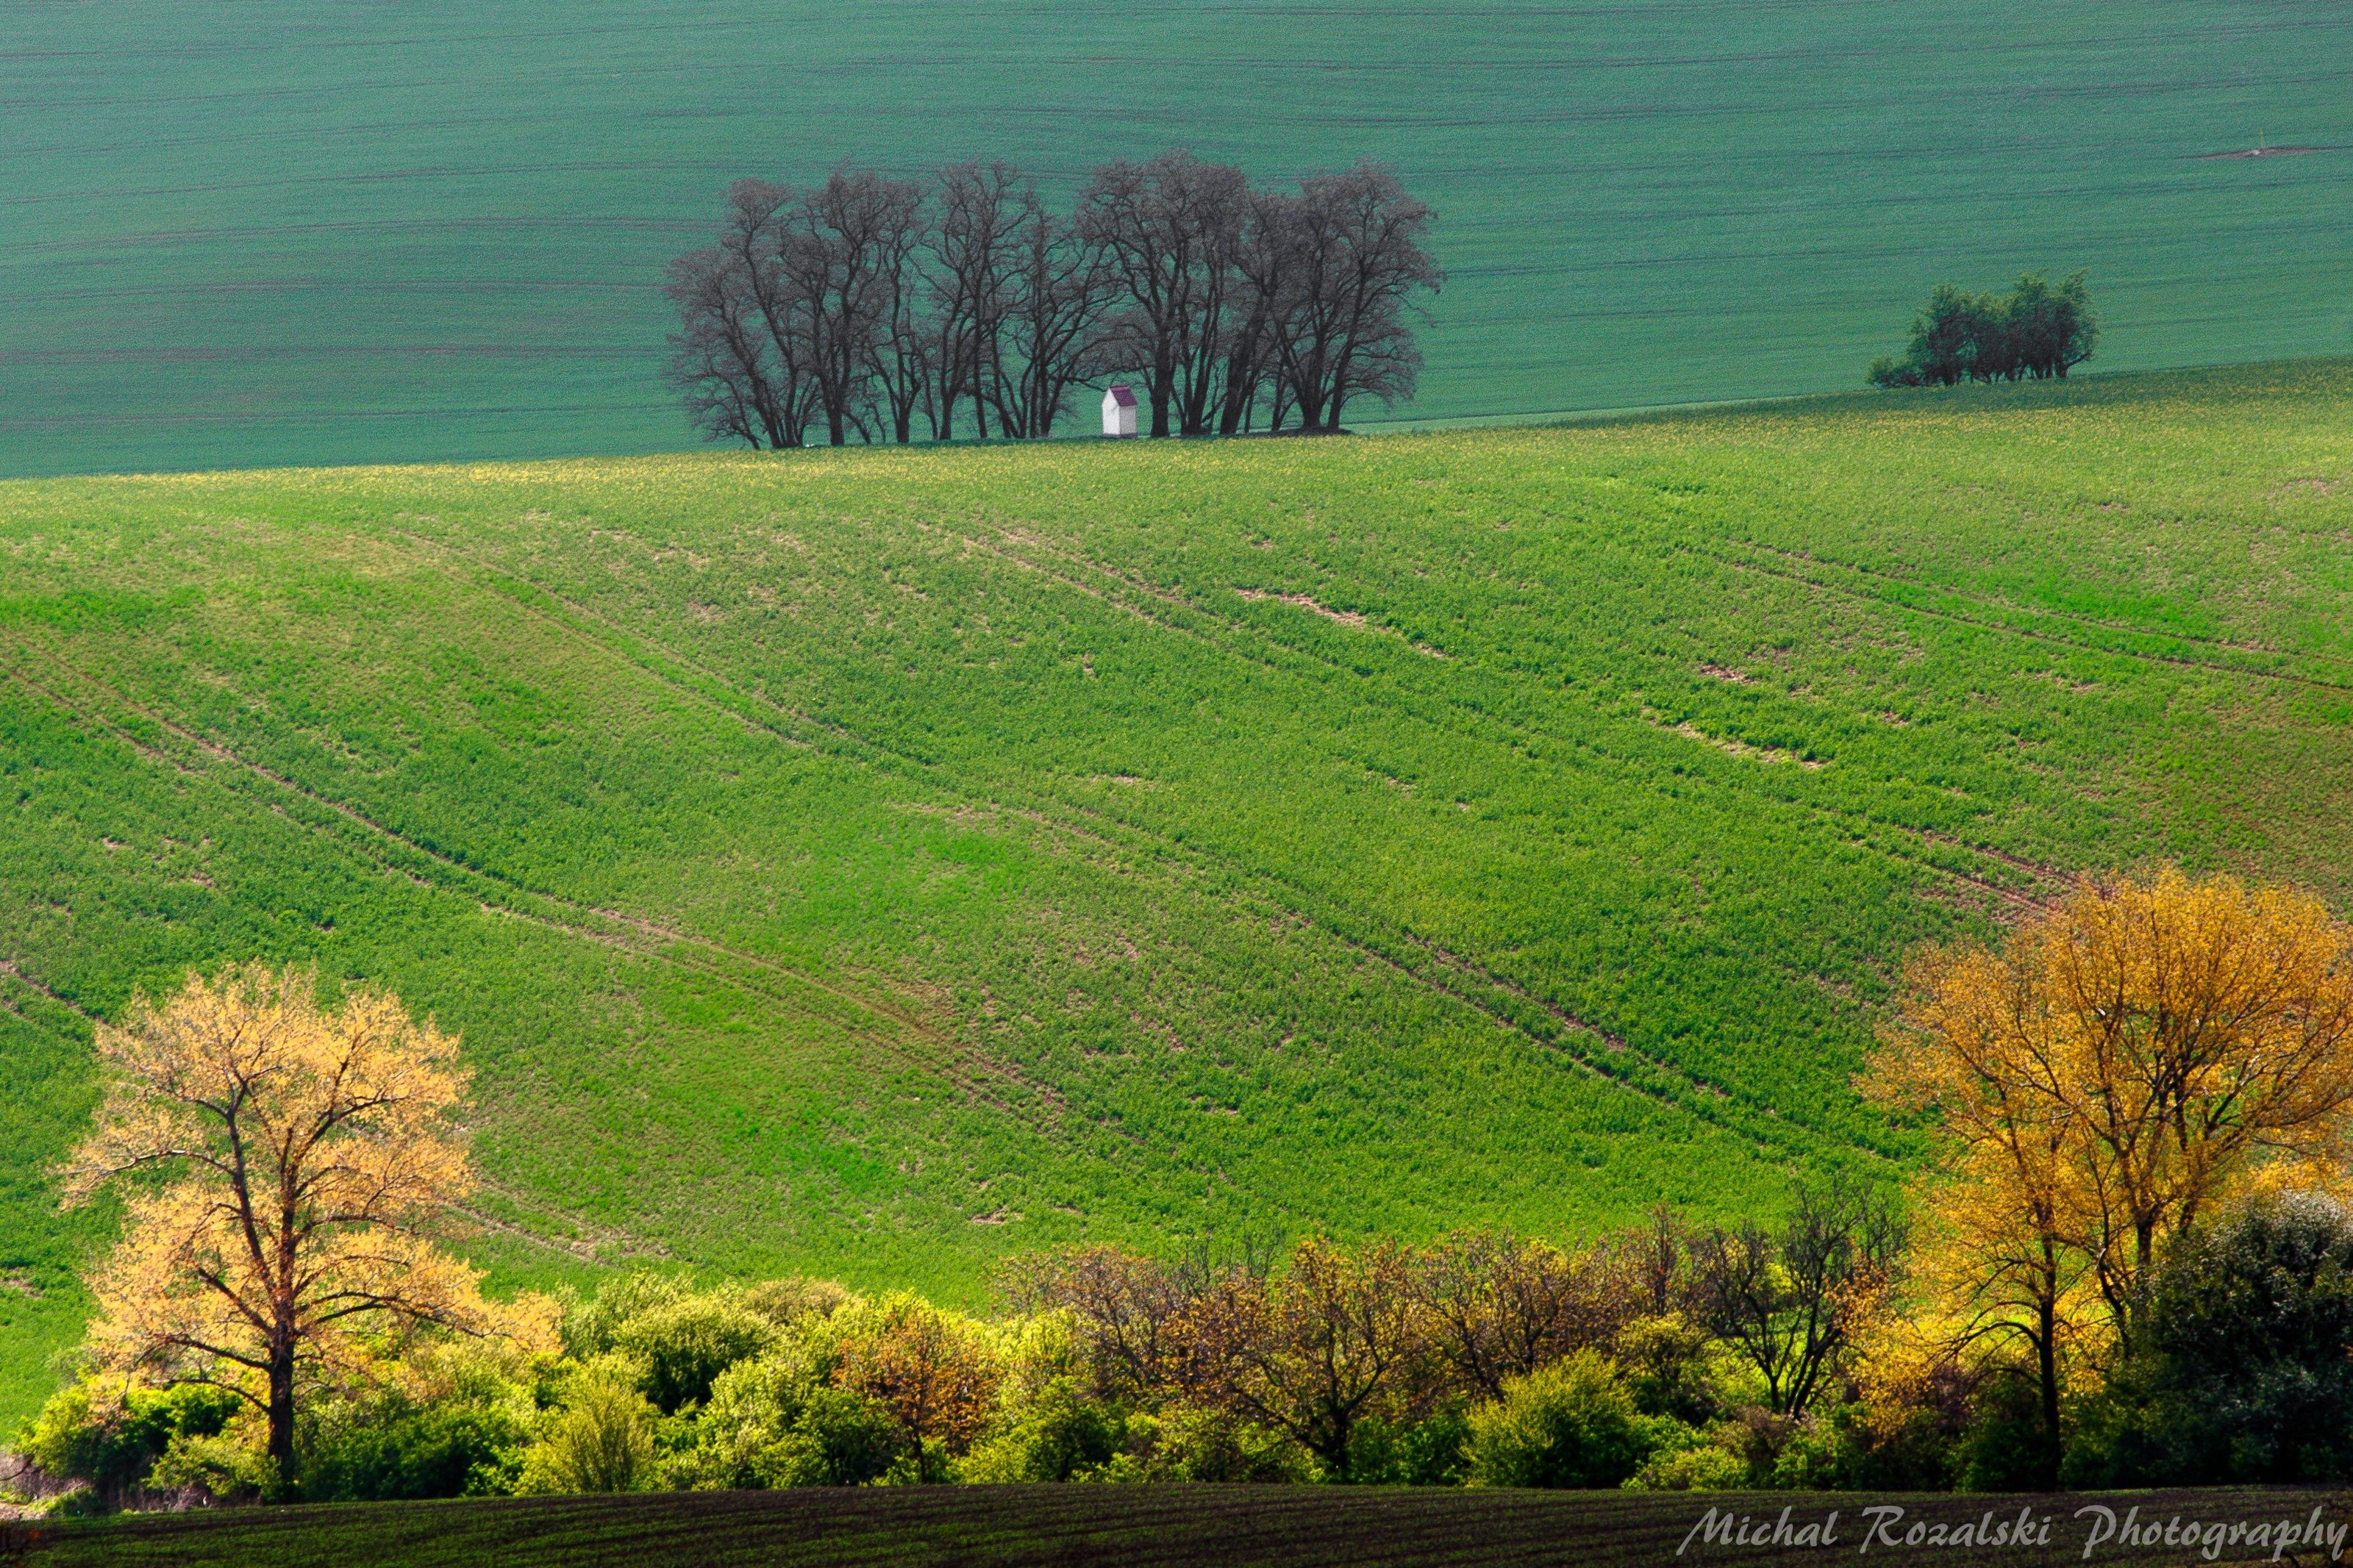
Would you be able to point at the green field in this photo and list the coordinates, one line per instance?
(873, 862)
(1186, 1526)
(309, 233)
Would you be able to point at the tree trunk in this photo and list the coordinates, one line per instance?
(281, 1407)
(1163, 374)
(2046, 1347)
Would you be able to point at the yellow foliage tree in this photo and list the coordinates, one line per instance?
(2127, 1059)
(303, 1157)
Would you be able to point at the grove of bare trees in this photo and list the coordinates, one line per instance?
(865, 307)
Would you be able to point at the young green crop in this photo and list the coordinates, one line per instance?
(868, 863)
(311, 233)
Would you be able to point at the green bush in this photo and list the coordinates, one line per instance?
(838, 1438)
(1697, 1465)
(223, 1466)
(591, 1327)
(1057, 1435)
(2237, 1373)
(2004, 1448)
(1668, 1369)
(791, 1301)
(600, 1439)
(111, 1435)
(396, 1451)
(1431, 1452)
(1183, 1443)
(1571, 1424)
(685, 1343)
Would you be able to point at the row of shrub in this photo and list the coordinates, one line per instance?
(1481, 1361)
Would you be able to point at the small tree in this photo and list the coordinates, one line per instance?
(1498, 1307)
(2241, 1374)
(302, 1156)
(1333, 1338)
(1792, 1301)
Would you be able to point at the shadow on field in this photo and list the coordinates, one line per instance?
(982, 1527)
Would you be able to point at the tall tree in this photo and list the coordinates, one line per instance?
(1057, 298)
(741, 356)
(1171, 232)
(2176, 1036)
(843, 257)
(984, 210)
(1358, 266)
(303, 1157)
(752, 242)
(719, 356)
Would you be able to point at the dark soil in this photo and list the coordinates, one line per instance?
(1146, 1526)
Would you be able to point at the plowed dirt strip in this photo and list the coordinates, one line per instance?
(1180, 1526)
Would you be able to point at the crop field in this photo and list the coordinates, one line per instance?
(314, 233)
(870, 863)
(1135, 1526)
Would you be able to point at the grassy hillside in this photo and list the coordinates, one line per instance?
(320, 233)
(872, 862)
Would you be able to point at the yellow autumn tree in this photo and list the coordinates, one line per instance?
(302, 1159)
(2125, 1061)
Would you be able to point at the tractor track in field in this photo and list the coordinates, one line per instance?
(15, 972)
(1996, 603)
(978, 1075)
(1999, 629)
(2018, 899)
(1054, 812)
(592, 1239)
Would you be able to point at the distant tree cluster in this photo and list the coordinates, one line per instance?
(2038, 330)
(863, 306)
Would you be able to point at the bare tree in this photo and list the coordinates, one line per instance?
(740, 357)
(1660, 1253)
(1498, 1307)
(1170, 230)
(902, 362)
(1265, 255)
(983, 209)
(718, 355)
(1792, 1301)
(1356, 264)
(842, 255)
(1057, 298)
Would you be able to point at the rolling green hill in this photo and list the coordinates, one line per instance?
(872, 862)
(308, 233)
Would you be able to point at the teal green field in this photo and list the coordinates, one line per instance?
(305, 233)
(873, 862)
